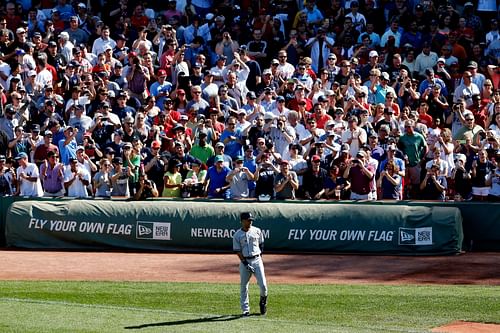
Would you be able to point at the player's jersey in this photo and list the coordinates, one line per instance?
(248, 242)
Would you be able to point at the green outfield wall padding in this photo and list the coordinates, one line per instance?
(209, 226)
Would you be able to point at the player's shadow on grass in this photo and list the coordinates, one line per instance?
(186, 321)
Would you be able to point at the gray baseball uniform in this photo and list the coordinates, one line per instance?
(249, 244)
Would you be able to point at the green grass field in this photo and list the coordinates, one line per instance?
(196, 307)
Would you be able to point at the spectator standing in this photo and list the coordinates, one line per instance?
(433, 186)
(466, 90)
(119, 178)
(425, 60)
(215, 183)
(390, 182)
(67, 145)
(360, 174)
(238, 179)
(482, 170)
(103, 41)
(202, 150)
(286, 182)
(7, 179)
(231, 137)
(320, 49)
(414, 148)
(76, 179)
(264, 177)
(28, 181)
(462, 179)
(195, 178)
(145, 188)
(337, 187)
(52, 175)
(354, 136)
(102, 179)
(314, 180)
(494, 182)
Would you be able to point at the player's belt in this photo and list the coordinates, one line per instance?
(253, 257)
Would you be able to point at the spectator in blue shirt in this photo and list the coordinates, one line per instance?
(215, 183)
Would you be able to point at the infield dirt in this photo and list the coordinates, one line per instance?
(468, 268)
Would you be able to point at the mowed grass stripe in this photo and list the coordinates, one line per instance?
(209, 307)
(153, 319)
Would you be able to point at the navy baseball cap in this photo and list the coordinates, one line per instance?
(247, 216)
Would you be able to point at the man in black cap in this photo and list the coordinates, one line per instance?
(8, 123)
(248, 243)
(477, 78)
(6, 178)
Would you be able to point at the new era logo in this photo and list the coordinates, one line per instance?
(406, 237)
(153, 230)
(143, 230)
(415, 236)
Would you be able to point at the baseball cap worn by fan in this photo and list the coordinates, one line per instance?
(21, 155)
(218, 158)
(472, 64)
(360, 154)
(269, 116)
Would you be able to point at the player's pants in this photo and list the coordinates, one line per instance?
(245, 276)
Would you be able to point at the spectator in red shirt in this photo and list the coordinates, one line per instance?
(320, 115)
(423, 116)
(359, 173)
(13, 20)
(299, 97)
(138, 18)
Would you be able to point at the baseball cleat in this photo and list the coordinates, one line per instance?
(263, 305)
(246, 314)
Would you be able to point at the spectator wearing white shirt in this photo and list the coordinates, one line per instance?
(426, 59)
(28, 177)
(320, 46)
(285, 69)
(76, 179)
(43, 77)
(393, 31)
(65, 46)
(358, 19)
(466, 90)
(354, 136)
(100, 43)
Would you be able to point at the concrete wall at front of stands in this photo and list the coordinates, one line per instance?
(209, 226)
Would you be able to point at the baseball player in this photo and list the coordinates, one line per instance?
(248, 243)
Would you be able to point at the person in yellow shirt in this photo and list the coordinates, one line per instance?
(173, 180)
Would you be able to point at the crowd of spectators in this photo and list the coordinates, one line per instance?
(269, 99)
